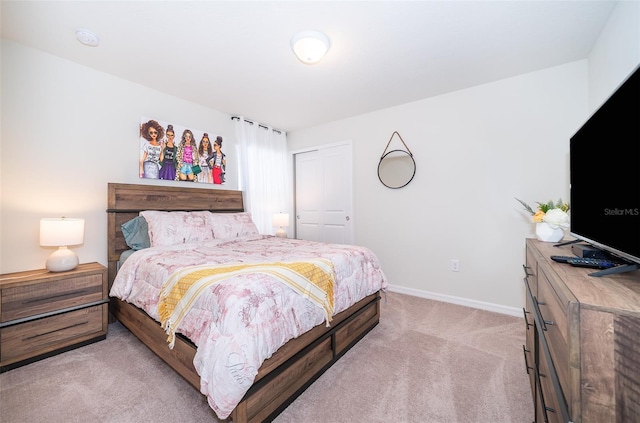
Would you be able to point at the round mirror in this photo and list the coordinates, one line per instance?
(396, 169)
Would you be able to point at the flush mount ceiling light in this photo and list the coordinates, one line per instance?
(87, 37)
(310, 46)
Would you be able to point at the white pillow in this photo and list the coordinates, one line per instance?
(171, 228)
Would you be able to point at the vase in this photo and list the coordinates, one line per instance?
(546, 233)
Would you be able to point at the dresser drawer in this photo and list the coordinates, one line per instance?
(552, 307)
(529, 346)
(531, 270)
(550, 399)
(44, 335)
(50, 295)
(554, 314)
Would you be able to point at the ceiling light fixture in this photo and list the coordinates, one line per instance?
(310, 46)
(87, 37)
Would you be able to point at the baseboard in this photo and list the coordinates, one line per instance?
(497, 308)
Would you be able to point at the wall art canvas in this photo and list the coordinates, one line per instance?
(175, 152)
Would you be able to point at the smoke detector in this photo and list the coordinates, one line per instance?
(87, 37)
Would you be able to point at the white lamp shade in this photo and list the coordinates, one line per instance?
(281, 219)
(61, 231)
(310, 46)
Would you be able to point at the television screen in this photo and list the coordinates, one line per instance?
(605, 174)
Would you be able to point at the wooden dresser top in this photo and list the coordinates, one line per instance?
(619, 292)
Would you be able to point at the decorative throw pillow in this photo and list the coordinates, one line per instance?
(232, 225)
(171, 228)
(136, 233)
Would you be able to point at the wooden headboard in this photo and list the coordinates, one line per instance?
(125, 201)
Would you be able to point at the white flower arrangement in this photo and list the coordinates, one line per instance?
(556, 218)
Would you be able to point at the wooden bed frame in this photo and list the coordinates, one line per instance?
(291, 369)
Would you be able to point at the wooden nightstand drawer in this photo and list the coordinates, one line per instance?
(43, 313)
(44, 335)
(31, 300)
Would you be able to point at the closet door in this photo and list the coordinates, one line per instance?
(323, 187)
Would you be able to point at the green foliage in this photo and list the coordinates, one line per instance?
(545, 207)
(526, 206)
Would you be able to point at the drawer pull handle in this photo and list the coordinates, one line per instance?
(525, 318)
(526, 270)
(526, 362)
(540, 395)
(54, 297)
(536, 305)
(546, 322)
(56, 330)
(549, 409)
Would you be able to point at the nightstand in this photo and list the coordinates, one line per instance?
(44, 313)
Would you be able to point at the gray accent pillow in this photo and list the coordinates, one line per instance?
(136, 233)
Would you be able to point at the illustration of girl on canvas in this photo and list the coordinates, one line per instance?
(217, 162)
(167, 156)
(151, 133)
(186, 157)
(204, 151)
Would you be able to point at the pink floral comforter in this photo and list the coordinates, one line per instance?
(242, 321)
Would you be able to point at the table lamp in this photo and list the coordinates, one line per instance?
(61, 232)
(281, 220)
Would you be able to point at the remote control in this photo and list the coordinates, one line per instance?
(591, 262)
(562, 259)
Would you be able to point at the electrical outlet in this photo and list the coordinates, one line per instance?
(455, 265)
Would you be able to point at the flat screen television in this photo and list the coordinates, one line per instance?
(605, 176)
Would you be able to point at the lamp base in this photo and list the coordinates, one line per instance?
(281, 233)
(62, 260)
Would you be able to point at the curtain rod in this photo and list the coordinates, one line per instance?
(259, 125)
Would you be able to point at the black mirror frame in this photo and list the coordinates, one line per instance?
(412, 175)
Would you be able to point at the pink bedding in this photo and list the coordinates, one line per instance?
(242, 321)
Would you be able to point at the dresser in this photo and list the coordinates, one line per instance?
(44, 313)
(582, 348)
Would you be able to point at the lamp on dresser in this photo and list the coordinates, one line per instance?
(61, 232)
(281, 220)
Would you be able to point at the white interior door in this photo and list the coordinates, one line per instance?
(323, 187)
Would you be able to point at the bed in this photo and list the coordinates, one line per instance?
(285, 372)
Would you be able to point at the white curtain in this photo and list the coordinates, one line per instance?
(264, 173)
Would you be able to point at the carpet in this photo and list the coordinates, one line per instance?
(427, 361)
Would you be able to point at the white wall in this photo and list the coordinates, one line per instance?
(615, 54)
(68, 130)
(475, 150)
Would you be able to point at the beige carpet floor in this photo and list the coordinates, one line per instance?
(426, 361)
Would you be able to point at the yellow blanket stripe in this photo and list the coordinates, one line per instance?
(313, 279)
